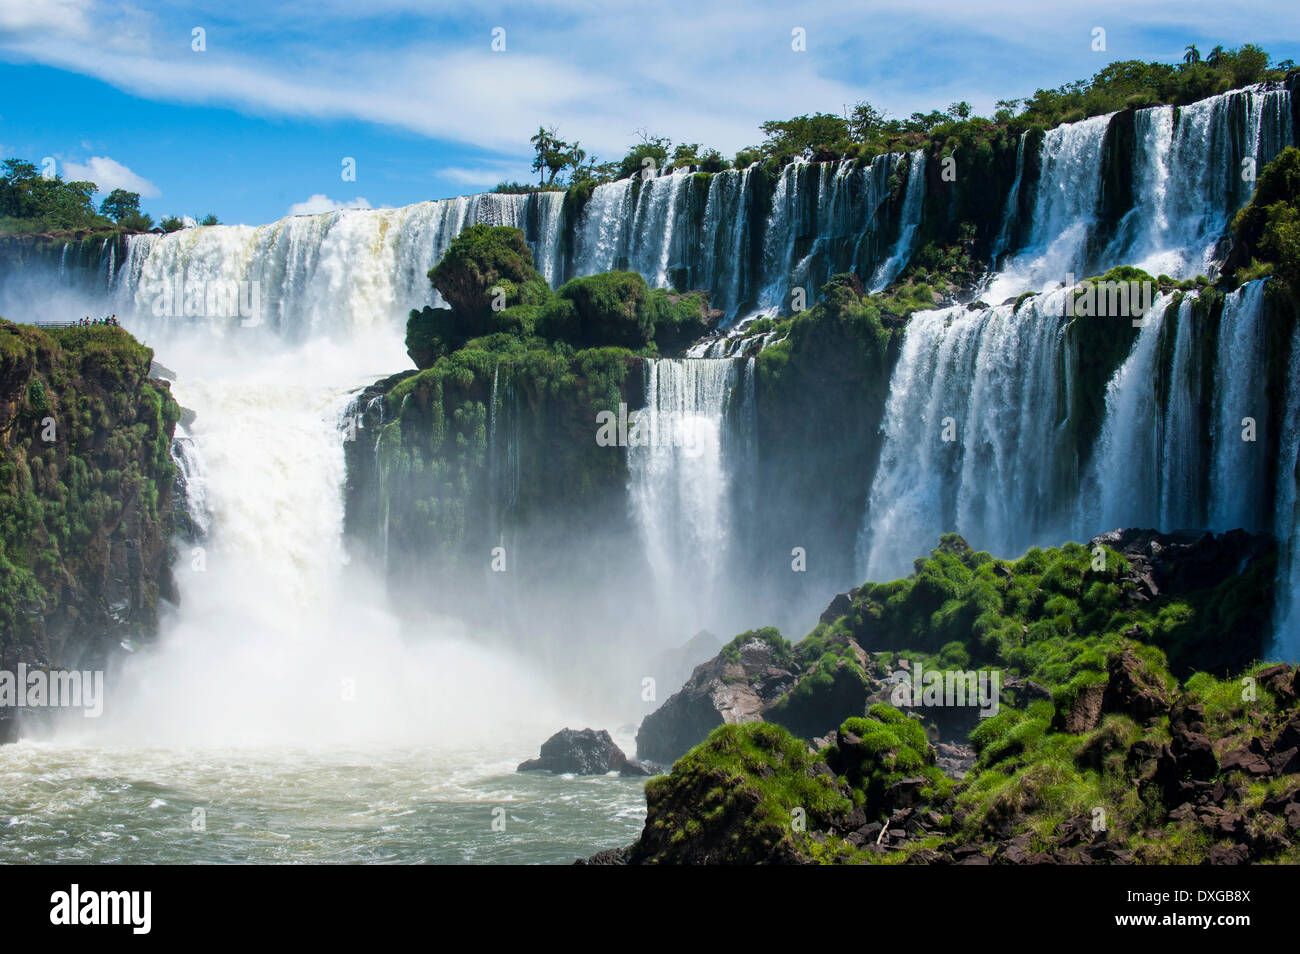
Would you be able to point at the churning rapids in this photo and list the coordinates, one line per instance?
(287, 706)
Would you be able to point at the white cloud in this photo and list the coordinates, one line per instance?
(698, 73)
(320, 202)
(109, 174)
(488, 174)
(51, 17)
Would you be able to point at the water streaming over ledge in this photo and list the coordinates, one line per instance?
(258, 652)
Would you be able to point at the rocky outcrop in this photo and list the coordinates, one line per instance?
(750, 673)
(86, 480)
(585, 752)
(1173, 564)
(673, 667)
(1099, 751)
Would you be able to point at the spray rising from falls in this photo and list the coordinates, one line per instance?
(264, 648)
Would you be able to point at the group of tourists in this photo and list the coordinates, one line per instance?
(88, 321)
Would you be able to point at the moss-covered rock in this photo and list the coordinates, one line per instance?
(1099, 752)
(86, 479)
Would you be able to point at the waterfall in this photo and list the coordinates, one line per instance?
(1011, 208)
(1193, 167)
(1180, 454)
(1286, 644)
(974, 435)
(1238, 466)
(323, 274)
(656, 227)
(824, 218)
(602, 233)
(1065, 210)
(978, 436)
(726, 240)
(910, 221)
(680, 483)
(193, 480)
(1125, 476)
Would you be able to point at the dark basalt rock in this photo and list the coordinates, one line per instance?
(1131, 691)
(1189, 561)
(720, 691)
(610, 856)
(1085, 711)
(586, 752)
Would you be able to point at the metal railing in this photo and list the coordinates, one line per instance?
(73, 324)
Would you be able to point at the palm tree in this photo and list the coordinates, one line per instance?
(1192, 55)
(1216, 55)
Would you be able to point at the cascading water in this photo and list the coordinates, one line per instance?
(1065, 210)
(824, 218)
(1126, 488)
(284, 660)
(1192, 167)
(974, 435)
(280, 648)
(680, 483)
(1010, 210)
(1240, 413)
(193, 480)
(1180, 457)
(911, 221)
(305, 275)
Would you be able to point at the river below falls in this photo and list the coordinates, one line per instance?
(71, 803)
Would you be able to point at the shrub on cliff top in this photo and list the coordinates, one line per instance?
(483, 258)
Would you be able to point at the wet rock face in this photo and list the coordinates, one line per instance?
(585, 752)
(721, 691)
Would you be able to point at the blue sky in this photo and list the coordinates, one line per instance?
(257, 124)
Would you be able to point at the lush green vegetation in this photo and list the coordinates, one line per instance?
(1267, 228)
(733, 799)
(488, 279)
(863, 131)
(85, 434)
(1059, 619)
(509, 346)
(31, 202)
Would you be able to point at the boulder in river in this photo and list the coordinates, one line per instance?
(585, 752)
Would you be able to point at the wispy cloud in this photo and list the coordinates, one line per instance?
(707, 73)
(109, 174)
